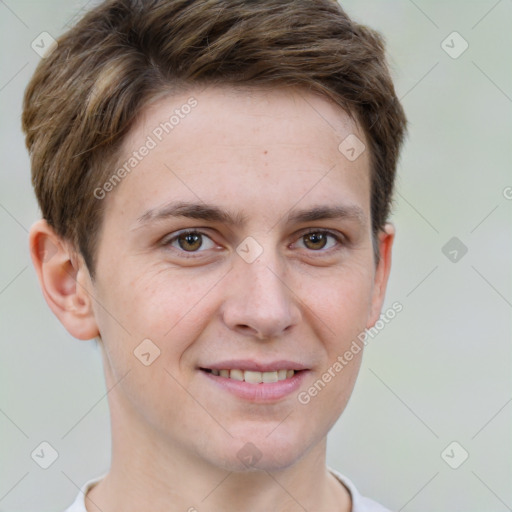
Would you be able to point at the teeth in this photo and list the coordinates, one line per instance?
(269, 376)
(255, 377)
(236, 374)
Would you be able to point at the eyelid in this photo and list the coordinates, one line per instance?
(339, 237)
(167, 240)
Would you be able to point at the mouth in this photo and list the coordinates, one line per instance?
(253, 377)
(255, 382)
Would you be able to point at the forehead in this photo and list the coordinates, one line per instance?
(249, 148)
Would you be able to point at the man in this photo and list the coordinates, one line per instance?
(215, 180)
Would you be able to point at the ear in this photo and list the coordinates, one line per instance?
(385, 241)
(64, 280)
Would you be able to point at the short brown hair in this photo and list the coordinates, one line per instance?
(85, 96)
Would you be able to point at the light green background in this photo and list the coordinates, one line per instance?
(440, 372)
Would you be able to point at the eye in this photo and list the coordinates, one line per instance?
(318, 240)
(190, 241)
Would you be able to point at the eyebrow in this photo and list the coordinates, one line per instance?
(350, 212)
(212, 213)
(200, 211)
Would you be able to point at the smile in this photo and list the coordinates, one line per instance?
(253, 377)
(257, 382)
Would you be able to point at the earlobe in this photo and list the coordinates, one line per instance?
(64, 280)
(385, 240)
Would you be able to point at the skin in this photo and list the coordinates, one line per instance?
(264, 154)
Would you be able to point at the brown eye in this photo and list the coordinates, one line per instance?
(190, 241)
(320, 241)
(315, 241)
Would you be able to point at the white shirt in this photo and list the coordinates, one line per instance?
(359, 503)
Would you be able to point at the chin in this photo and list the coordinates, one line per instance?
(263, 449)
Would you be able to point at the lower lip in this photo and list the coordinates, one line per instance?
(259, 393)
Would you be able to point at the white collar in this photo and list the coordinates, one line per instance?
(359, 503)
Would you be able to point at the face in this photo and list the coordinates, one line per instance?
(238, 247)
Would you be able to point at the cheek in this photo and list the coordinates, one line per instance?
(167, 307)
(156, 314)
(347, 308)
(342, 301)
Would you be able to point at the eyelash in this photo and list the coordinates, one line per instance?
(340, 239)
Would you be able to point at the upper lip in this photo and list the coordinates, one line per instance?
(255, 366)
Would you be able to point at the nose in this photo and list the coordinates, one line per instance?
(260, 303)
